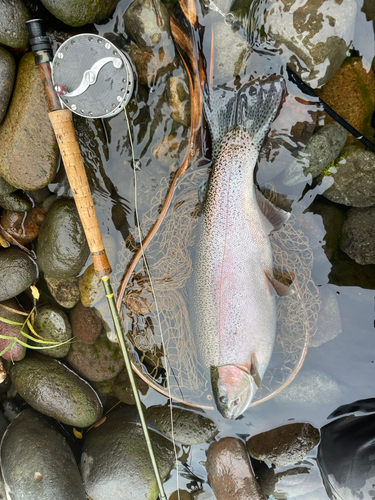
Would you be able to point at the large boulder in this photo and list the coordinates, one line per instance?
(80, 12)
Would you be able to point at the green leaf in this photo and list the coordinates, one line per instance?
(10, 322)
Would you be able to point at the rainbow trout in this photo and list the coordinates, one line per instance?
(233, 285)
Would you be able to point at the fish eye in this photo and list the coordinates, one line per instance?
(223, 400)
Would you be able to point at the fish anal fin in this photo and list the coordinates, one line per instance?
(280, 288)
(273, 217)
(254, 372)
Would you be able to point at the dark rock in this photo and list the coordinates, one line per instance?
(37, 462)
(23, 226)
(315, 42)
(353, 176)
(180, 495)
(13, 30)
(99, 361)
(7, 75)
(64, 291)
(18, 351)
(323, 148)
(123, 390)
(17, 272)
(358, 235)
(52, 323)
(86, 324)
(230, 474)
(62, 246)
(53, 389)
(6, 188)
(28, 148)
(80, 12)
(189, 427)
(285, 445)
(115, 460)
(15, 202)
(346, 272)
(11, 408)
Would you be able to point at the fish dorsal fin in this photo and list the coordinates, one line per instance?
(273, 217)
(254, 372)
(253, 108)
(281, 289)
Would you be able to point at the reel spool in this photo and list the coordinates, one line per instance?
(92, 77)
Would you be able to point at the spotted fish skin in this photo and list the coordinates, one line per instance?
(233, 302)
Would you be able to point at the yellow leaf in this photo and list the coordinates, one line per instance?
(77, 434)
(35, 292)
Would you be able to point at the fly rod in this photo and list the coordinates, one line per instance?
(98, 82)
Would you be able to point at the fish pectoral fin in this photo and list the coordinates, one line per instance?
(280, 288)
(254, 372)
(273, 218)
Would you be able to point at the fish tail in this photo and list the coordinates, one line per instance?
(253, 108)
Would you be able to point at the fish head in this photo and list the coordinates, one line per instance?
(233, 389)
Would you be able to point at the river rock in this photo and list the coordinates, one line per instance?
(37, 462)
(7, 75)
(180, 495)
(86, 324)
(230, 474)
(62, 246)
(189, 427)
(295, 482)
(314, 36)
(358, 235)
(23, 226)
(28, 148)
(285, 445)
(178, 98)
(310, 388)
(17, 272)
(6, 188)
(90, 287)
(15, 202)
(80, 12)
(52, 323)
(53, 389)
(99, 361)
(13, 29)
(354, 178)
(329, 323)
(64, 291)
(351, 93)
(18, 351)
(323, 148)
(124, 392)
(115, 462)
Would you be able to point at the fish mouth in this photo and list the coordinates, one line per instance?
(233, 389)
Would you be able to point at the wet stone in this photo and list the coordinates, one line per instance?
(180, 495)
(115, 460)
(80, 12)
(353, 174)
(17, 272)
(15, 202)
(189, 427)
(6, 188)
(7, 75)
(64, 291)
(62, 246)
(13, 30)
(351, 93)
(229, 471)
(18, 351)
(53, 389)
(285, 445)
(28, 148)
(358, 235)
(310, 388)
(86, 324)
(53, 324)
(90, 287)
(323, 148)
(177, 96)
(37, 462)
(315, 35)
(23, 226)
(124, 392)
(97, 362)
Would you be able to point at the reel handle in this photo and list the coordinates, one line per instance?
(62, 124)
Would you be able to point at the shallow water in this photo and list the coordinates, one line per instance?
(348, 359)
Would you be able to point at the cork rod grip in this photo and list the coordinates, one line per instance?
(62, 123)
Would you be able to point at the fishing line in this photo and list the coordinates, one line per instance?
(153, 292)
